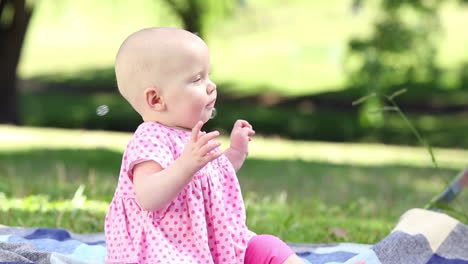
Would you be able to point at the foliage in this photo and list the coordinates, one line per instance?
(197, 15)
(401, 48)
(400, 52)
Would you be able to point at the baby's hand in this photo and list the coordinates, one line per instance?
(241, 135)
(197, 152)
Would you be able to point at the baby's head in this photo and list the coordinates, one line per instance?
(164, 74)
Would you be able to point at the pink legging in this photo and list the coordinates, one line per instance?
(267, 249)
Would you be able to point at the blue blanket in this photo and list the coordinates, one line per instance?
(420, 237)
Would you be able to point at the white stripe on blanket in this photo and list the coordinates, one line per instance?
(434, 226)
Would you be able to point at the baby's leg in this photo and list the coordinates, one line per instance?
(293, 259)
(267, 249)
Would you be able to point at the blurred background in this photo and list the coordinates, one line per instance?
(360, 107)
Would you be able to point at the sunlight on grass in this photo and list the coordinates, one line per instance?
(14, 138)
(43, 204)
(22, 138)
(350, 153)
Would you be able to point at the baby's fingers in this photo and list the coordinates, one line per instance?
(201, 134)
(241, 124)
(204, 139)
(195, 131)
(209, 147)
(212, 156)
(248, 131)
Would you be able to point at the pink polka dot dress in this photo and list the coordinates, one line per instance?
(205, 224)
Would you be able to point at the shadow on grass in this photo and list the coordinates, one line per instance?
(298, 121)
(59, 172)
(420, 97)
(390, 188)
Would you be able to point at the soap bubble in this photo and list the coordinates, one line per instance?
(213, 113)
(102, 110)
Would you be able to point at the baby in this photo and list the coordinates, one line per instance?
(178, 199)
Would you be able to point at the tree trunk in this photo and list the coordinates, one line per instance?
(11, 41)
(190, 14)
(192, 18)
(192, 24)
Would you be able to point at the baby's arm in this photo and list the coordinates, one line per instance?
(156, 187)
(240, 137)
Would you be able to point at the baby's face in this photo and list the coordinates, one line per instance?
(186, 87)
(164, 74)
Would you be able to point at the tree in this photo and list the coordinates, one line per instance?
(14, 20)
(196, 15)
(399, 53)
(15, 15)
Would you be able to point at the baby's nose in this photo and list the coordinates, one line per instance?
(211, 87)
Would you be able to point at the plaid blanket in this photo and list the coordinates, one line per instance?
(420, 237)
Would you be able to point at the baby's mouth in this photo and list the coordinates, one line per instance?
(211, 104)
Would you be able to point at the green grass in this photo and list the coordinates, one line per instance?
(298, 190)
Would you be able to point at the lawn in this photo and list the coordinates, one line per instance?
(301, 191)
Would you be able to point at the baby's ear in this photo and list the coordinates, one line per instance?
(154, 100)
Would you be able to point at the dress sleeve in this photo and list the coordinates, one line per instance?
(148, 147)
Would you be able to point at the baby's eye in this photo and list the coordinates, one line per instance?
(197, 79)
